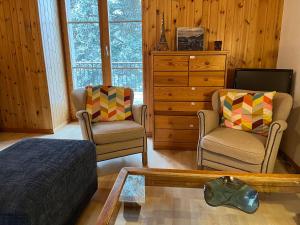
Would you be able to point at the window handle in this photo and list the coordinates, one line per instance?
(106, 49)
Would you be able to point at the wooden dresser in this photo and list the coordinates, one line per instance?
(183, 83)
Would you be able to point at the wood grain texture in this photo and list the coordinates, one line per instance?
(54, 60)
(249, 29)
(25, 102)
(33, 89)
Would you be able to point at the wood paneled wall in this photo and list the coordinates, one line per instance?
(249, 29)
(24, 96)
(54, 60)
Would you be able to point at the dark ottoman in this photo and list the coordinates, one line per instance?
(46, 182)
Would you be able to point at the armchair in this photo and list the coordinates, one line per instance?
(229, 149)
(113, 139)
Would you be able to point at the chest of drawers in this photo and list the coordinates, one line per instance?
(183, 83)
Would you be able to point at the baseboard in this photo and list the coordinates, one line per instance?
(290, 161)
(28, 130)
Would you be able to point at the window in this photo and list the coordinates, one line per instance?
(125, 26)
(124, 21)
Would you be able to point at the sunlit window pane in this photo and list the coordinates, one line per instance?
(83, 10)
(124, 10)
(125, 27)
(84, 39)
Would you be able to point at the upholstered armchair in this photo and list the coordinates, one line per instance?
(229, 149)
(113, 139)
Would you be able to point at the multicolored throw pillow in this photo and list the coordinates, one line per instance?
(108, 103)
(248, 111)
(93, 102)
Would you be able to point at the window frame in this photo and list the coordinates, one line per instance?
(104, 45)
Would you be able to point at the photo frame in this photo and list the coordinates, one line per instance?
(190, 38)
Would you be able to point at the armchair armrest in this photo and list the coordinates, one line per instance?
(209, 120)
(272, 145)
(85, 124)
(139, 114)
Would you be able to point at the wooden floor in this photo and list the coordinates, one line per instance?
(108, 170)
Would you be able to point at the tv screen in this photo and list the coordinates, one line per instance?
(264, 79)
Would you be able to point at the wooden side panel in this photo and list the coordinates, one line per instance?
(24, 94)
(54, 59)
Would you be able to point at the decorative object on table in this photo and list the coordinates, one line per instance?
(190, 38)
(218, 45)
(133, 196)
(233, 192)
(163, 44)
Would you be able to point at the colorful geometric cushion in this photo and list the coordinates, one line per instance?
(108, 103)
(115, 103)
(93, 102)
(248, 111)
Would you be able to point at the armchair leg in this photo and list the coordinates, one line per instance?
(145, 158)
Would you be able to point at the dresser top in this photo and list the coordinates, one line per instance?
(189, 52)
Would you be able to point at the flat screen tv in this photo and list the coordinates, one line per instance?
(279, 80)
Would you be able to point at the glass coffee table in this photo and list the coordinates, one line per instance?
(164, 196)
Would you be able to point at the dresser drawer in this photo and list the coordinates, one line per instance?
(177, 122)
(180, 108)
(184, 93)
(176, 135)
(169, 145)
(170, 79)
(207, 62)
(171, 63)
(208, 79)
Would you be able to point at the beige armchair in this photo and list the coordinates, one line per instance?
(113, 139)
(229, 149)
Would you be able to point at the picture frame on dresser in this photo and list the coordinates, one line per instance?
(183, 83)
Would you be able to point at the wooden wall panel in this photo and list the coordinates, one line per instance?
(54, 59)
(25, 103)
(249, 29)
(24, 90)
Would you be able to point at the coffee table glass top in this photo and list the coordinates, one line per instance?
(154, 199)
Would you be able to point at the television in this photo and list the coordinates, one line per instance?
(279, 80)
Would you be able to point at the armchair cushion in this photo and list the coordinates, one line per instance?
(240, 145)
(116, 131)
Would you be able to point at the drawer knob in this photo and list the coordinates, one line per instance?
(191, 125)
(193, 103)
(193, 88)
(206, 63)
(205, 79)
(170, 108)
(192, 57)
(169, 94)
(170, 135)
(170, 79)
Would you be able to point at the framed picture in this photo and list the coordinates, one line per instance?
(190, 38)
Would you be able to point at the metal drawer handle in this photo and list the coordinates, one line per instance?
(193, 103)
(193, 89)
(192, 57)
(191, 125)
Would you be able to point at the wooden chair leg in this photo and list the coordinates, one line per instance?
(145, 158)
